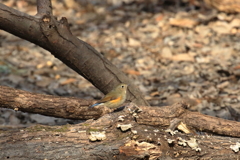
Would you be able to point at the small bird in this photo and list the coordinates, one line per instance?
(114, 98)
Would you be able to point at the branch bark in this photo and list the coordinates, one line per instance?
(63, 107)
(44, 7)
(73, 108)
(126, 136)
(55, 36)
(193, 120)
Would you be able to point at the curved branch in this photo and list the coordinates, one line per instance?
(55, 36)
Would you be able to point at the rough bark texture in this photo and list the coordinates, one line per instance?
(194, 120)
(44, 7)
(73, 108)
(55, 36)
(134, 133)
(64, 107)
(105, 139)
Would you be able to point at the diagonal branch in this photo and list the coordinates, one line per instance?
(55, 36)
(44, 7)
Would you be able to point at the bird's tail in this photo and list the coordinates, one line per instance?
(94, 105)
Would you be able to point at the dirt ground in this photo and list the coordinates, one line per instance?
(174, 51)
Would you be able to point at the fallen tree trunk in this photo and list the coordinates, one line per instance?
(134, 133)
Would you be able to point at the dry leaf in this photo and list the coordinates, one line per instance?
(185, 23)
(68, 81)
(183, 57)
(133, 42)
(132, 72)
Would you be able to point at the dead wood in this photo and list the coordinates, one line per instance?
(64, 107)
(134, 133)
(129, 134)
(73, 108)
(193, 120)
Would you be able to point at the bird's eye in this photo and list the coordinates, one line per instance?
(122, 86)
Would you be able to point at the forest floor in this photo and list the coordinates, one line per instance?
(173, 52)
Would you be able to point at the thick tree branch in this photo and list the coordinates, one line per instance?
(56, 37)
(194, 120)
(44, 7)
(74, 108)
(63, 107)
